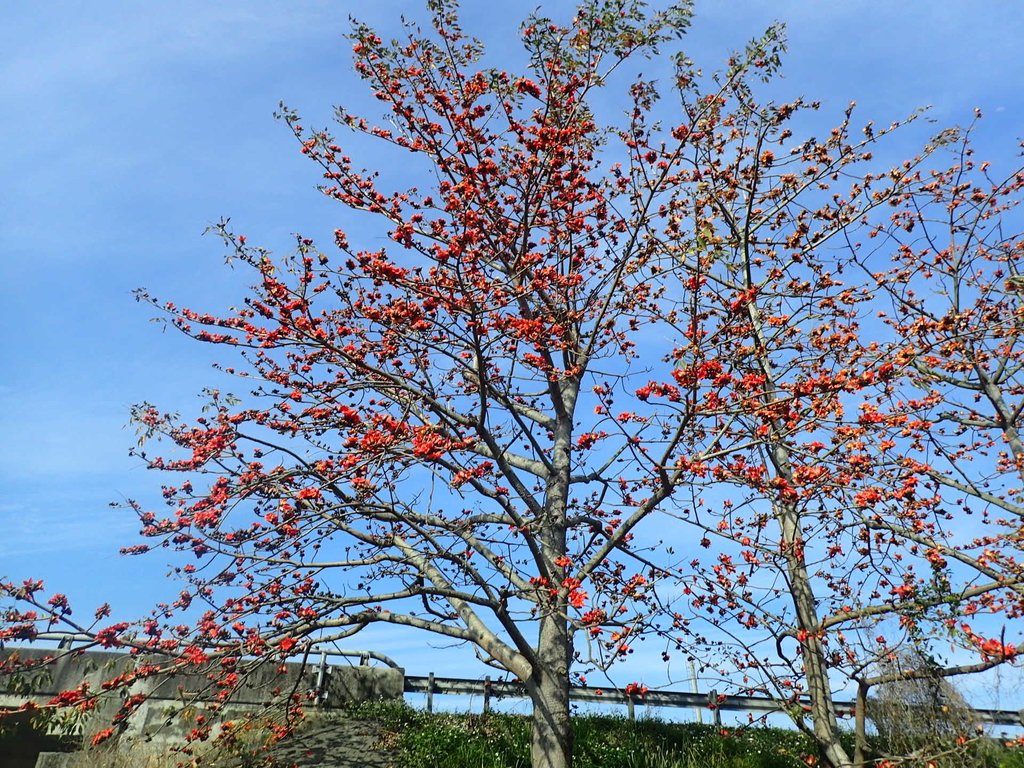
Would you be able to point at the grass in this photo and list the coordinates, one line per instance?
(418, 739)
(603, 741)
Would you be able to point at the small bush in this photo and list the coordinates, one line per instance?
(921, 715)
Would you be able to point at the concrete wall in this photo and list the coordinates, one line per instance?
(345, 683)
(172, 703)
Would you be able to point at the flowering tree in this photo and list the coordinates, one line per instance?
(413, 451)
(576, 330)
(954, 303)
(832, 438)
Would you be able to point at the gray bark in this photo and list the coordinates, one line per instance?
(551, 745)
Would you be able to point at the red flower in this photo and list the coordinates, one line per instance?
(524, 85)
(636, 689)
(102, 736)
(109, 637)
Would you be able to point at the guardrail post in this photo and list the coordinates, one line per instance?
(630, 708)
(321, 680)
(487, 694)
(693, 687)
(430, 693)
(713, 706)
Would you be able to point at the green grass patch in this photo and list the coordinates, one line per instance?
(605, 741)
(601, 741)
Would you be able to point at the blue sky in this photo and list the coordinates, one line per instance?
(129, 127)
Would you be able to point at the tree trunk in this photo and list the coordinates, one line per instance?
(815, 663)
(551, 746)
(860, 732)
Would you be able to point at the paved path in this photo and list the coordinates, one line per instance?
(337, 743)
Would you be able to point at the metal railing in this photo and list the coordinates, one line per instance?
(710, 701)
(490, 689)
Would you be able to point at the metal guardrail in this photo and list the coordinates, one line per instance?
(497, 689)
(711, 700)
